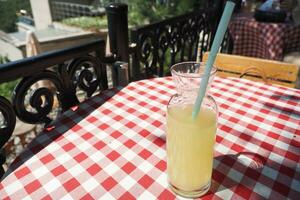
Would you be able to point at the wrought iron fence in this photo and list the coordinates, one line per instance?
(154, 48)
(81, 68)
(160, 45)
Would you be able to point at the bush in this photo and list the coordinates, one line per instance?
(6, 88)
(144, 12)
(87, 23)
(140, 12)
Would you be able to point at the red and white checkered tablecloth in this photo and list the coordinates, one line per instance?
(264, 40)
(117, 150)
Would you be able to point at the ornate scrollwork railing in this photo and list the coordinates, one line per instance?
(50, 82)
(40, 100)
(7, 125)
(159, 45)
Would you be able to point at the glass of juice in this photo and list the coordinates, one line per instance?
(190, 142)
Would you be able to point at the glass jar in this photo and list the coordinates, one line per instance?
(190, 142)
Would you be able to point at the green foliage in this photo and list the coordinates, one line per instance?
(87, 23)
(140, 12)
(3, 59)
(144, 12)
(8, 13)
(6, 88)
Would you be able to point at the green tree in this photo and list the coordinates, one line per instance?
(8, 13)
(6, 88)
(141, 12)
(149, 11)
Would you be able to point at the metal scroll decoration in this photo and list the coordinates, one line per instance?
(86, 73)
(8, 120)
(34, 105)
(146, 53)
(163, 42)
(7, 125)
(175, 41)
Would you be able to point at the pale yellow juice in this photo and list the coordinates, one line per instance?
(190, 146)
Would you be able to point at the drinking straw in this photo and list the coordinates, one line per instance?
(222, 27)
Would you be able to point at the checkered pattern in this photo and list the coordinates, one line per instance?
(264, 40)
(117, 150)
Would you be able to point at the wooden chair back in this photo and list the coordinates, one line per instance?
(256, 69)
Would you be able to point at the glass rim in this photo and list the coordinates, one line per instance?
(208, 97)
(212, 72)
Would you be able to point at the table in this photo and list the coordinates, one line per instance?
(264, 40)
(116, 149)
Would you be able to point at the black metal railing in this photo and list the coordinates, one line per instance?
(49, 84)
(227, 44)
(154, 48)
(160, 45)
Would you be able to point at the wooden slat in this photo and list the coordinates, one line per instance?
(227, 74)
(276, 72)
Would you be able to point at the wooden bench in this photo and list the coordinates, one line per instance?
(256, 69)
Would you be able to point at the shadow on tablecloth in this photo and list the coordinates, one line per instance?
(280, 100)
(236, 173)
(61, 125)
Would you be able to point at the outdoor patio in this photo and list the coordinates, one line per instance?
(117, 82)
